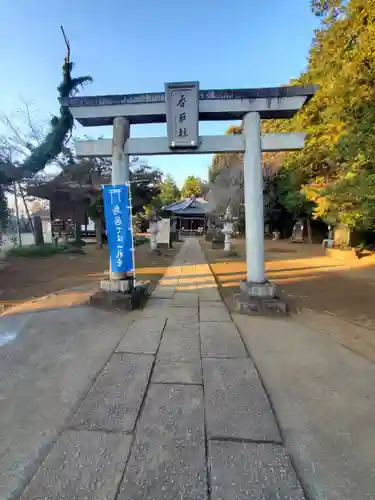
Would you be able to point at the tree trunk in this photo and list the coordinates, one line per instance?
(99, 233)
(309, 231)
(26, 207)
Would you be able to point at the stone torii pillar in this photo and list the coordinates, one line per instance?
(120, 166)
(253, 190)
(257, 295)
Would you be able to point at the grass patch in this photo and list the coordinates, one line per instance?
(46, 250)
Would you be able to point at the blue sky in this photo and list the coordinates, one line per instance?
(137, 46)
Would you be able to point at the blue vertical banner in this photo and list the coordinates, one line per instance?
(118, 221)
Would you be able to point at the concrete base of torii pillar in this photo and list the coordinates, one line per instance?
(106, 298)
(260, 299)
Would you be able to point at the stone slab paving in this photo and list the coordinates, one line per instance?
(250, 471)
(157, 308)
(178, 315)
(180, 343)
(143, 336)
(214, 311)
(163, 416)
(236, 403)
(114, 401)
(221, 340)
(175, 372)
(164, 292)
(185, 299)
(82, 465)
(208, 293)
(155, 303)
(168, 461)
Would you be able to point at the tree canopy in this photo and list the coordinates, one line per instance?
(193, 186)
(145, 182)
(338, 163)
(169, 191)
(333, 176)
(53, 143)
(33, 157)
(145, 186)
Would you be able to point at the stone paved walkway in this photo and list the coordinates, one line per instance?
(179, 411)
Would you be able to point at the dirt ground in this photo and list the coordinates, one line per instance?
(334, 296)
(27, 279)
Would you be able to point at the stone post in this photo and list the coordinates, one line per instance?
(120, 164)
(153, 230)
(38, 230)
(228, 229)
(210, 229)
(173, 231)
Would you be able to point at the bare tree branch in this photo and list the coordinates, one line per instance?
(22, 133)
(35, 129)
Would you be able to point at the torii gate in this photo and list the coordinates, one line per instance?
(182, 106)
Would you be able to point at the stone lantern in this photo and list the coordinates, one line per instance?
(228, 229)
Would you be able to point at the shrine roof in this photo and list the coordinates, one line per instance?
(63, 183)
(189, 206)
